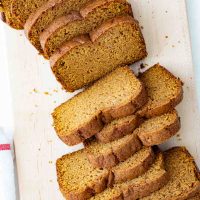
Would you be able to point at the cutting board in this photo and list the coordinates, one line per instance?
(35, 93)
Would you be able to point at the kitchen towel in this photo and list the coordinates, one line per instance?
(7, 180)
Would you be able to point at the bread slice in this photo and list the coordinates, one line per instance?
(92, 15)
(134, 166)
(164, 90)
(118, 128)
(22, 9)
(110, 154)
(183, 173)
(79, 180)
(44, 15)
(81, 61)
(116, 95)
(154, 179)
(158, 130)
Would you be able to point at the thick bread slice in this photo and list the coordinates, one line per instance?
(116, 42)
(45, 14)
(159, 129)
(22, 9)
(79, 180)
(118, 128)
(110, 154)
(164, 90)
(154, 179)
(69, 26)
(184, 181)
(134, 166)
(116, 95)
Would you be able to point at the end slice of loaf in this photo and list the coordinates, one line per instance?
(158, 130)
(77, 178)
(69, 26)
(117, 95)
(164, 90)
(110, 154)
(115, 43)
(154, 179)
(44, 16)
(118, 128)
(184, 181)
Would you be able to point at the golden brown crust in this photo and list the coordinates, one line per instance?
(96, 33)
(168, 105)
(119, 130)
(3, 17)
(131, 172)
(116, 154)
(90, 6)
(57, 24)
(161, 136)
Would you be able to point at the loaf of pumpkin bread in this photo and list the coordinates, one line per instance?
(74, 24)
(116, 95)
(81, 61)
(79, 180)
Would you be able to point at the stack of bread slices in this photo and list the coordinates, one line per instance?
(121, 118)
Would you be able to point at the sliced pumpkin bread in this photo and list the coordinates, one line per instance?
(152, 132)
(79, 180)
(22, 9)
(44, 15)
(116, 95)
(164, 91)
(154, 179)
(184, 179)
(118, 128)
(81, 61)
(110, 154)
(158, 130)
(92, 15)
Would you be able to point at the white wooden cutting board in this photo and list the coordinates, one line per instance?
(36, 93)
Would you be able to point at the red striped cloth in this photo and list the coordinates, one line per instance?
(4, 147)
